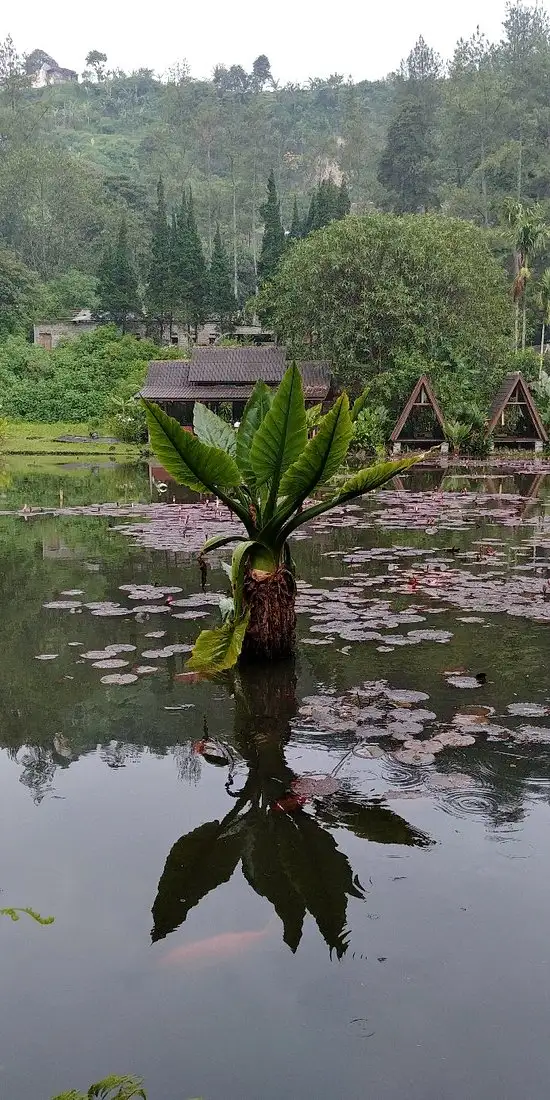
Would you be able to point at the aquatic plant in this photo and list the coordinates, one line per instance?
(110, 1088)
(264, 473)
(15, 914)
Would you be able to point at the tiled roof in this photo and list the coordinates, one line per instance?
(236, 375)
(239, 365)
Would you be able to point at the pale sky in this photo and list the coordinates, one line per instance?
(302, 38)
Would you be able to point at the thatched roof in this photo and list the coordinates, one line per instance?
(422, 396)
(515, 391)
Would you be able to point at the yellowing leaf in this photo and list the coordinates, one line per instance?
(219, 649)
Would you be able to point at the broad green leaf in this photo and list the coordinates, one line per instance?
(359, 404)
(219, 649)
(256, 409)
(323, 454)
(214, 431)
(190, 462)
(282, 435)
(313, 415)
(373, 477)
(218, 541)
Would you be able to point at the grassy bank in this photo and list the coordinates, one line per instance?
(26, 438)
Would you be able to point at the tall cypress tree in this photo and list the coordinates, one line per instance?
(296, 226)
(343, 204)
(159, 293)
(274, 241)
(198, 273)
(221, 300)
(118, 285)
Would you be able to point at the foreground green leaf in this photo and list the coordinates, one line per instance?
(322, 456)
(219, 649)
(255, 411)
(200, 467)
(282, 435)
(212, 430)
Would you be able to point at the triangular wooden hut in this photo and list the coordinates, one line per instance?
(416, 425)
(514, 417)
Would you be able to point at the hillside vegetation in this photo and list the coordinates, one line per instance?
(460, 136)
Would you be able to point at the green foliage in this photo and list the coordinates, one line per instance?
(370, 431)
(264, 475)
(376, 291)
(328, 203)
(18, 295)
(221, 300)
(159, 293)
(274, 242)
(118, 289)
(110, 1088)
(61, 297)
(77, 380)
(15, 915)
(457, 433)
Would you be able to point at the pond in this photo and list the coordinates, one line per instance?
(330, 879)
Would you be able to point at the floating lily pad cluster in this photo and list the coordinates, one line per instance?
(374, 712)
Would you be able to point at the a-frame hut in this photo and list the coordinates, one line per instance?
(514, 418)
(421, 422)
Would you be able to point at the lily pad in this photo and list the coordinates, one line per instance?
(112, 662)
(120, 678)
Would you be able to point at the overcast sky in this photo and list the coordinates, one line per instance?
(302, 38)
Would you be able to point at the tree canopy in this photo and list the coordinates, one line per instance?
(388, 293)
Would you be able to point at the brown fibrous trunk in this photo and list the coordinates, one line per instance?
(270, 598)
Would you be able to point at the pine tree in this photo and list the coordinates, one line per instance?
(310, 220)
(343, 205)
(274, 241)
(159, 294)
(406, 165)
(296, 226)
(118, 286)
(189, 272)
(198, 273)
(221, 300)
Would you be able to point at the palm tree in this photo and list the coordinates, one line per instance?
(530, 234)
(544, 304)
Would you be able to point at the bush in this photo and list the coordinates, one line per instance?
(78, 380)
(371, 430)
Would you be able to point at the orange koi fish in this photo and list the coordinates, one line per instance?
(215, 948)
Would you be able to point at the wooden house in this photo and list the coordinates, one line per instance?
(514, 419)
(226, 377)
(421, 422)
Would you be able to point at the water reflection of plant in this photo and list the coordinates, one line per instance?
(287, 854)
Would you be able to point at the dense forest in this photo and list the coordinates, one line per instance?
(175, 199)
(460, 136)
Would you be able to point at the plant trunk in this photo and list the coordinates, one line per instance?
(542, 339)
(516, 328)
(524, 321)
(270, 598)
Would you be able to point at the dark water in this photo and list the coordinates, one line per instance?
(387, 937)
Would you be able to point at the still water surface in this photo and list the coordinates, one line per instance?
(244, 931)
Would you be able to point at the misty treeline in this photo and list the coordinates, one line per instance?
(464, 136)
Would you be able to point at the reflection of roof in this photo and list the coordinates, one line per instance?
(228, 374)
(514, 391)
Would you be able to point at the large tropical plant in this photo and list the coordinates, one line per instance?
(265, 473)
